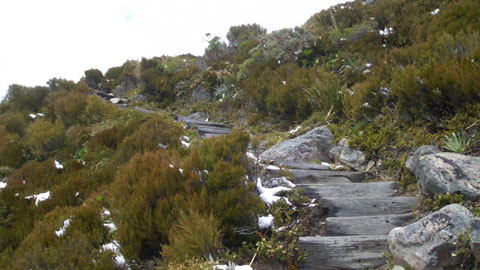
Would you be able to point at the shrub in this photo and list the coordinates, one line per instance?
(325, 95)
(26, 99)
(155, 131)
(43, 137)
(11, 154)
(192, 236)
(147, 195)
(69, 108)
(14, 122)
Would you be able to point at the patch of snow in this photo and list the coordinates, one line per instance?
(111, 226)
(171, 166)
(186, 138)
(206, 120)
(17, 194)
(84, 163)
(58, 165)
(62, 230)
(76, 194)
(325, 164)
(181, 171)
(115, 248)
(268, 194)
(205, 171)
(265, 222)
(384, 45)
(23, 182)
(161, 145)
(386, 31)
(106, 212)
(367, 71)
(3, 185)
(284, 82)
(185, 144)
(114, 100)
(39, 197)
(312, 205)
(342, 7)
(295, 130)
(273, 168)
(40, 114)
(282, 181)
(280, 229)
(343, 39)
(435, 12)
(33, 116)
(368, 65)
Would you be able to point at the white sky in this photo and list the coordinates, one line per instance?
(42, 39)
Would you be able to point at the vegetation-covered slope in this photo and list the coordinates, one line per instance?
(390, 76)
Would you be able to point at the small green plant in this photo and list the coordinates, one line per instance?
(456, 143)
(441, 200)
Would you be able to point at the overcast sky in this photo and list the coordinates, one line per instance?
(42, 39)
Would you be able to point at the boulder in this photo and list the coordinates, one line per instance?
(197, 116)
(413, 160)
(428, 244)
(449, 173)
(140, 98)
(349, 156)
(310, 146)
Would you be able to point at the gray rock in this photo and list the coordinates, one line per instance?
(310, 146)
(140, 98)
(428, 244)
(449, 173)
(349, 156)
(199, 93)
(413, 160)
(475, 237)
(398, 267)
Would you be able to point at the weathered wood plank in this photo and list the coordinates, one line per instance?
(305, 180)
(369, 225)
(190, 121)
(343, 252)
(301, 165)
(355, 207)
(354, 176)
(372, 189)
(213, 130)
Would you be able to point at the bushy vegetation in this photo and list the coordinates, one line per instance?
(389, 76)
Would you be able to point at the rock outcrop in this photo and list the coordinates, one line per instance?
(352, 157)
(429, 243)
(310, 146)
(449, 173)
(413, 160)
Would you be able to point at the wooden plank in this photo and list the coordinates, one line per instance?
(306, 180)
(210, 135)
(372, 189)
(213, 130)
(318, 175)
(191, 121)
(355, 207)
(369, 225)
(343, 252)
(301, 165)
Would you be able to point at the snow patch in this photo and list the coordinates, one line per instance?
(3, 185)
(185, 144)
(265, 222)
(62, 230)
(273, 168)
(39, 197)
(115, 248)
(435, 12)
(76, 194)
(58, 165)
(295, 130)
(268, 194)
(237, 267)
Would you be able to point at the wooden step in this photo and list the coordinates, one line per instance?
(301, 165)
(369, 225)
(212, 130)
(372, 189)
(355, 207)
(301, 181)
(343, 252)
(190, 121)
(318, 176)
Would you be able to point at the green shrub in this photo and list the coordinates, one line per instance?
(193, 236)
(155, 131)
(147, 195)
(11, 154)
(43, 138)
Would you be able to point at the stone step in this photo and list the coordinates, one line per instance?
(319, 176)
(371, 189)
(356, 207)
(369, 225)
(343, 252)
